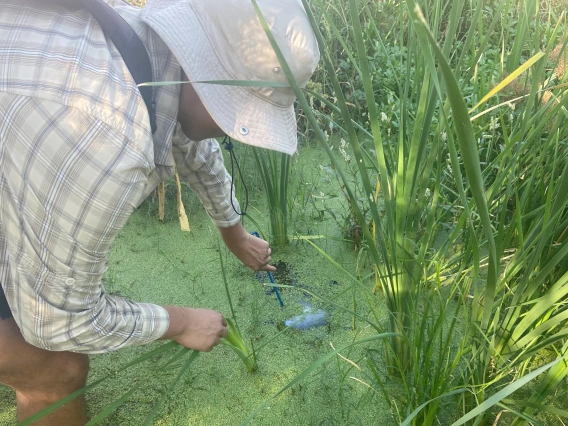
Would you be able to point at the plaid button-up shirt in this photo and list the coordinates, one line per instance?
(76, 158)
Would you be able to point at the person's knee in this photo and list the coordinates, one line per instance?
(64, 374)
(30, 369)
(58, 374)
(70, 371)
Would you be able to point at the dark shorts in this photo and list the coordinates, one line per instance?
(5, 311)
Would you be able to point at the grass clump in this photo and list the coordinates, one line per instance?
(235, 341)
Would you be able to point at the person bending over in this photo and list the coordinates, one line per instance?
(77, 156)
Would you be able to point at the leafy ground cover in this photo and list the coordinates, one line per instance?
(427, 212)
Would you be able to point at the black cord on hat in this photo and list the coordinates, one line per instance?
(228, 144)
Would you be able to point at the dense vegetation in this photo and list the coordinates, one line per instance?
(444, 126)
(453, 113)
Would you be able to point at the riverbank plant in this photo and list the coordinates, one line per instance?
(458, 204)
(274, 170)
(234, 339)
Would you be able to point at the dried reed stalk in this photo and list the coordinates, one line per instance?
(183, 220)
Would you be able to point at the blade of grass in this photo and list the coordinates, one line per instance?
(109, 409)
(506, 391)
(509, 79)
(468, 147)
(170, 388)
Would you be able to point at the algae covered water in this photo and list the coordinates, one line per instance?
(155, 262)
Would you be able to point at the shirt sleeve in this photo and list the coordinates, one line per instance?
(201, 166)
(68, 184)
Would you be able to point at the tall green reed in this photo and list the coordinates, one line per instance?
(410, 187)
(234, 338)
(433, 121)
(506, 307)
(274, 169)
(406, 234)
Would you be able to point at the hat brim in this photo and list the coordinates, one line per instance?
(232, 107)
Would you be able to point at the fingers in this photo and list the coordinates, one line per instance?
(262, 264)
(210, 348)
(256, 254)
(224, 332)
(217, 339)
(264, 261)
(268, 268)
(224, 328)
(201, 329)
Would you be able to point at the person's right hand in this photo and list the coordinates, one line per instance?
(199, 329)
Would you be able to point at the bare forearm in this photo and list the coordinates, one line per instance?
(178, 317)
(253, 252)
(233, 236)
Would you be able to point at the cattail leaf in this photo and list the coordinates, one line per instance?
(168, 391)
(509, 79)
(506, 391)
(112, 406)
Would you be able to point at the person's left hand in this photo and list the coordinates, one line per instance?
(254, 252)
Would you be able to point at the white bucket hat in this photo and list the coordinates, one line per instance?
(224, 40)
